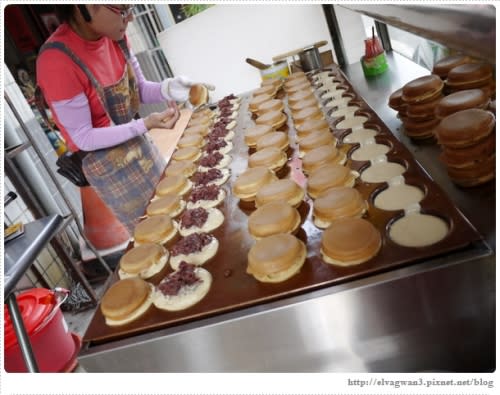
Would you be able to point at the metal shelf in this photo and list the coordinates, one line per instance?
(470, 28)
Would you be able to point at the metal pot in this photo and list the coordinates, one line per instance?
(310, 59)
(309, 56)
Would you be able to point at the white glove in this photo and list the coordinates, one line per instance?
(178, 88)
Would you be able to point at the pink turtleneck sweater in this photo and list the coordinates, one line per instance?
(74, 102)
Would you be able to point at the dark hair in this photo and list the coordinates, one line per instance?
(65, 12)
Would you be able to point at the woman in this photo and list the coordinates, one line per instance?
(93, 85)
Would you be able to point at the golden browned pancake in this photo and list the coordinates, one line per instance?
(298, 87)
(396, 99)
(300, 95)
(178, 184)
(468, 156)
(462, 100)
(335, 203)
(250, 181)
(423, 111)
(156, 229)
(312, 125)
(465, 128)
(256, 101)
(270, 105)
(314, 140)
(272, 218)
(281, 190)
(253, 133)
(468, 73)
(171, 204)
(185, 168)
(307, 113)
(126, 300)
(320, 156)
(188, 153)
(274, 139)
(197, 129)
(276, 258)
(294, 81)
(350, 241)
(275, 81)
(273, 158)
(330, 176)
(276, 119)
(310, 102)
(443, 66)
(191, 140)
(422, 89)
(202, 112)
(203, 122)
(265, 90)
(143, 261)
(475, 173)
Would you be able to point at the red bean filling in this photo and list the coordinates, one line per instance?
(191, 244)
(184, 276)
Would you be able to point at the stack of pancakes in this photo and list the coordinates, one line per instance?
(421, 96)
(467, 139)
(396, 102)
(462, 100)
(420, 103)
(470, 76)
(442, 67)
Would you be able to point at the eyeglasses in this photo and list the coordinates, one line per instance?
(123, 12)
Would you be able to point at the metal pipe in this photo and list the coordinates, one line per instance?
(59, 188)
(22, 336)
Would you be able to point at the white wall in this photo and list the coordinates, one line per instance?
(212, 46)
(353, 33)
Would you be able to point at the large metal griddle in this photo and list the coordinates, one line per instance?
(233, 288)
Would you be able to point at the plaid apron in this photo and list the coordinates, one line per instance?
(126, 175)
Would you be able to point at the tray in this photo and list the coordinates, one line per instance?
(233, 288)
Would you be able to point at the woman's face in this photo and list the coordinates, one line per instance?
(110, 20)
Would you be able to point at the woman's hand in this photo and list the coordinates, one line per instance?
(165, 119)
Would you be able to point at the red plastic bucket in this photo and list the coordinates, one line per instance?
(53, 345)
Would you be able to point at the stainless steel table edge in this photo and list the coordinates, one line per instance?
(321, 331)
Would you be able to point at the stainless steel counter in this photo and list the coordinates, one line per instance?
(437, 315)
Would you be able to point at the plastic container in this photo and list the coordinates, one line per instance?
(279, 69)
(53, 345)
(374, 66)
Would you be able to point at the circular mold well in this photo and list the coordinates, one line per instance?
(417, 230)
(397, 197)
(382, 171)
